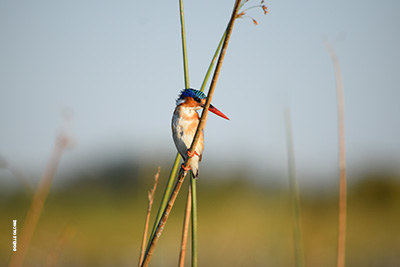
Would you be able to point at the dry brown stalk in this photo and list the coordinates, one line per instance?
(342, 160)
(66, 236)
(185, 228)
(38, 201)
(150, 204)
(203, 119)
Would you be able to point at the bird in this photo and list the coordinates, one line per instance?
(185, 120)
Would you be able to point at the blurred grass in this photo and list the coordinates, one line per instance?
(240, 224)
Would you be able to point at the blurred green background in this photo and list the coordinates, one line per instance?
(241, 222)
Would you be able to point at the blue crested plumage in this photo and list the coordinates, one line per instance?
(193, 93)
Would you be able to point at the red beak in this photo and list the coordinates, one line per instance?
(217, 112)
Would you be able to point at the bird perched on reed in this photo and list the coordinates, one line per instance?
(184, 125)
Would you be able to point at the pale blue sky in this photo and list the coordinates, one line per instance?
(118, 66)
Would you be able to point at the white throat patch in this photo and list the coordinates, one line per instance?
(180, 101)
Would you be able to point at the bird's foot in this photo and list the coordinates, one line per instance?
(191, 155)
(183, 167)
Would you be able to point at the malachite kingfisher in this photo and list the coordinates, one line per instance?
(184, 125)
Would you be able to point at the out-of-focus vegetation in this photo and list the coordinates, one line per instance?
(240, 223)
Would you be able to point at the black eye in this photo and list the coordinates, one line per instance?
(197, 99)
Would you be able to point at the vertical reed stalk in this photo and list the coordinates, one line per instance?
(150, 197)
(191, 208)
(192, 187)
(184, 50)
(194, 220)
(294, 192)
(185, 228)
(38, 201)
(178, 156)
(203, 85)
(342, 160)
(200, 128)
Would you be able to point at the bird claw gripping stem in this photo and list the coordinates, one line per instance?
(191, 155)
(185, 168)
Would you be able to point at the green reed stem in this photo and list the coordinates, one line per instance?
(193, 181)
(294, 192)
(177, 160)
(214, 59)
(184, 50)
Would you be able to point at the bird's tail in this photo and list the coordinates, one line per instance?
(194, 165)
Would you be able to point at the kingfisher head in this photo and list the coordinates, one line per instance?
(196, 99)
